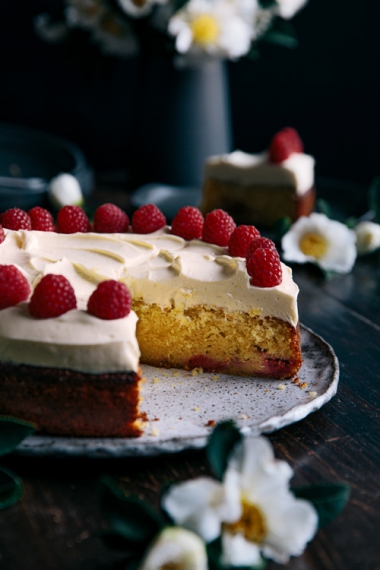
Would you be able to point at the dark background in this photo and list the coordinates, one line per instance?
(328, 88)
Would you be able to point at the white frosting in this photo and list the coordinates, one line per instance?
(158, 268)
(75, 340)
(247, 169)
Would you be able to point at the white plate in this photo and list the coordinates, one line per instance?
(182, 408)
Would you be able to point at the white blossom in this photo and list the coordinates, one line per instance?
(252, 508)
(64, 190)
(176, 548)
(211, 28)
(317, 239)
(368, 237)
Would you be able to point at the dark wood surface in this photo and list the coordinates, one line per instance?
(54, 525)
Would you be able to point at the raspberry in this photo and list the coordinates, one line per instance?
(259, 242)
(240, 239)
(283, 144)
(14, 287)
(42, 219)
(2, 234)
(264, 267)
(52, 297)
(188, 223)
(110, 219)
(218, 228)
(110, 300)
(148, 219)
(16, 219)
(72, 219)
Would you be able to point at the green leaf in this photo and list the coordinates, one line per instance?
(374, 197)
(267, 3)
(329, 274)
(328, 499)
(351, 222)
(221, 442)
(281, 33)
(12, 433)
(10, 488)
(280, 227)
(127, 516)
(324, 207)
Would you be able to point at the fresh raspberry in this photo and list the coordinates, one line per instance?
(109, 219)
(42, 219)
(259, 242)
(2, 234)
(72, 219)
(188, 223)
(14, 287)
(53, 296)
(16, 219)
(283, 144)
(110, 300)
(264, 267)
(218, 228)
(147, 219)
(240, 240)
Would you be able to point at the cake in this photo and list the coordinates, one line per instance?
(193, 306)
(261, 188)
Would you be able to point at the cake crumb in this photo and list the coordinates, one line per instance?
(155, 431)
(215, 377)
(303, 385)
(313, 394)
(196, 409)
(196, 371)
(172, 385)
(281, 386)
(156, 380)
(244, 417)
(175, 374)
(166, 374)
(210, 423)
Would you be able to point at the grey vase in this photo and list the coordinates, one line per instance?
(184, 118)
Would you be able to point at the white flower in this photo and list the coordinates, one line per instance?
(328, 243)
(252, 507)
(176, 548)
(115, 36)
(84, 13)
(212, 28)
(64, 190)
(368, 237)
(288, 8)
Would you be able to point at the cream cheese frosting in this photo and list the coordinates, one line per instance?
(75, 340)
(158, 268)
(247, 169)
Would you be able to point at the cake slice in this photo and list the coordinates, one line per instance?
(261, 188)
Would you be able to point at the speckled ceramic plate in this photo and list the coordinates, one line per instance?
(182, 407)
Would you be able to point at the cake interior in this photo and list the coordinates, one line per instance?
(257, 204)
(241, 343)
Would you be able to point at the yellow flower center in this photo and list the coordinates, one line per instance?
(251, 523)
(313, 245)
(205, 29)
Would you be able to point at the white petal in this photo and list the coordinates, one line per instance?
(291, 524)
(237, 551)
(176, 546)
(64, 190)
(288, 8)
(199, 505)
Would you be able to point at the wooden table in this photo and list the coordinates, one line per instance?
(54, 525)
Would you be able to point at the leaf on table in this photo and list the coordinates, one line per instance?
(127, 516)
(329, 499)
(10, 488)
(12, 432)
(221, 442)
